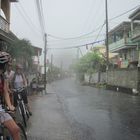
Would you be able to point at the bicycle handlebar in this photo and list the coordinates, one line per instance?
(19, 89)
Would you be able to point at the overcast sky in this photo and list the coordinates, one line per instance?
(66, 19)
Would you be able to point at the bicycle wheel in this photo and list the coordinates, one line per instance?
(23, 135)
(23, 114)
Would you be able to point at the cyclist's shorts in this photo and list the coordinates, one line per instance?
(4, 117)
(24, 97)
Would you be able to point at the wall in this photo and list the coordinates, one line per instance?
(127, 78)
(95, 78)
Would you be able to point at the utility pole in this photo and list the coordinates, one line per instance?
(78, 50)
(106, 41)
(51, 62)
(45, 59)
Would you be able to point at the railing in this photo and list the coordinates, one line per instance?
(120, 44)
(136, 33)
(4, 25)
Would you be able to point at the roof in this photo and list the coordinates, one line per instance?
(135, 15)
(13, 0)
(124, 25)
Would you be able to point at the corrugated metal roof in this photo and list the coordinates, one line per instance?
(135, 15)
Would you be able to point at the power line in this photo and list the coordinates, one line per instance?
(89, 13)
(99, 32)
(86, 34)
(124, 13)
(43, 19)
(78, 46)
(26, 20)
(88, 37)
(61, 38)
(29, 18)
(96, 14)
(40, 16)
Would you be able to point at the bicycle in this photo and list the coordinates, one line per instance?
(22, 108)
(4, 133)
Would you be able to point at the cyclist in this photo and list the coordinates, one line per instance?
(5, 118)
(19, 81)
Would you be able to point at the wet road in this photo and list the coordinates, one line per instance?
(73, 112)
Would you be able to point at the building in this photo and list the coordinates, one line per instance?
(135, 29)
(125, 40)
(102, 51)
(5, 35)
(120, 41)
(135, 25)
(36, 59)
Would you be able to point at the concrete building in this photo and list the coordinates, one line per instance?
(135, 30)
(5, 35)
(120, 41)
(36, 59)
(125, 40)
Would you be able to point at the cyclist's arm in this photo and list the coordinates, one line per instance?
(6, 96)
(7, 83)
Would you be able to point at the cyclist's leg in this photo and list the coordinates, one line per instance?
(10, 124)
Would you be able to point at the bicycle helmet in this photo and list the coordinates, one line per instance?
(4, 57)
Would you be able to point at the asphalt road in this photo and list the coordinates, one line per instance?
(70, 111)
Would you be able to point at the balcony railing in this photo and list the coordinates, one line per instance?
(120, 44)
(136, 33)
(114, 46)
(4, 25)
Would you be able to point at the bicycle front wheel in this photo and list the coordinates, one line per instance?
(23, 135)
(23, 114)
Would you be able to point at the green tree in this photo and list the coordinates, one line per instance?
(90, 63)
(22, 51)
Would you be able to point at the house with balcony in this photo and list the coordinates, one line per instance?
(5, 34)
(120, 42)
(135, 25)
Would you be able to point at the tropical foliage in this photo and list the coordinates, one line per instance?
(22, 51)
(89, 63)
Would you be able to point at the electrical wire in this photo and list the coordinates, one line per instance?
(29, 18)
(26, 20)
(40, 16)
(83, 35)
(96, 16)
(61, 41)
(89, 13)
(78, 46)
(124, 13)
(61, 38)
